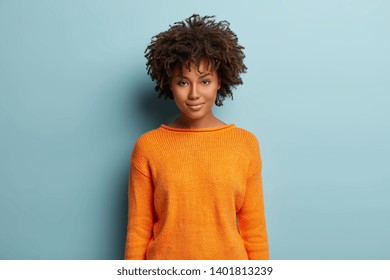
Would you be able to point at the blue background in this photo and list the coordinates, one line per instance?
(75, 95)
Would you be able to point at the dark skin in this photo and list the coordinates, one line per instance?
(194, 92)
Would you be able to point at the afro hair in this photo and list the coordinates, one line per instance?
(190, 41)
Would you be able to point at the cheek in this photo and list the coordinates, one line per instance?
(179, 98)
(212, 93)
(178, 93)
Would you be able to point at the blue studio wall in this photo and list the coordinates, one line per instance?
(75, 95)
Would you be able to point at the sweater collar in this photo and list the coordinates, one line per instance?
(206, 129)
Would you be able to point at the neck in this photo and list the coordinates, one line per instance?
(182, 122)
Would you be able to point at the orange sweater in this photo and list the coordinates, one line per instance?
(187, 187)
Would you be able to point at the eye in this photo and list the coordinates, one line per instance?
(205, 82)
(182, 83)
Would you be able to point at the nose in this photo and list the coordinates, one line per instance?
(194, 93)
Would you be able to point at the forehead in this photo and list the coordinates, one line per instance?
(203, 68)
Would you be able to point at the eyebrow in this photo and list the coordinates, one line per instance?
(202, 76)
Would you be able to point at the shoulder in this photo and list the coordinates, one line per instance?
(252, 150)
(146, 143)
(246, 137)
(245, 133)
(148, 137)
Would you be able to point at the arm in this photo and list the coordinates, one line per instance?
(140, 214)
(251, 220)
(251, 216)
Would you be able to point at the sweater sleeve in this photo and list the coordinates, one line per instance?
(140, 211)
(251, 217)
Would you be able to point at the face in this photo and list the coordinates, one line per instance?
(195, 92)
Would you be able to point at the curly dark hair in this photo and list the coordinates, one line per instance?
(192, 40)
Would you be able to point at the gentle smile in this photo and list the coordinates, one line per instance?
(195, 107)
(195, 104)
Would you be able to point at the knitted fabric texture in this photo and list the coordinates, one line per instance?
(196, 194)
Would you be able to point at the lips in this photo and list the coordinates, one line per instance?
(196, 106)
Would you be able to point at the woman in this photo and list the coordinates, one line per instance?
(195, 187)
